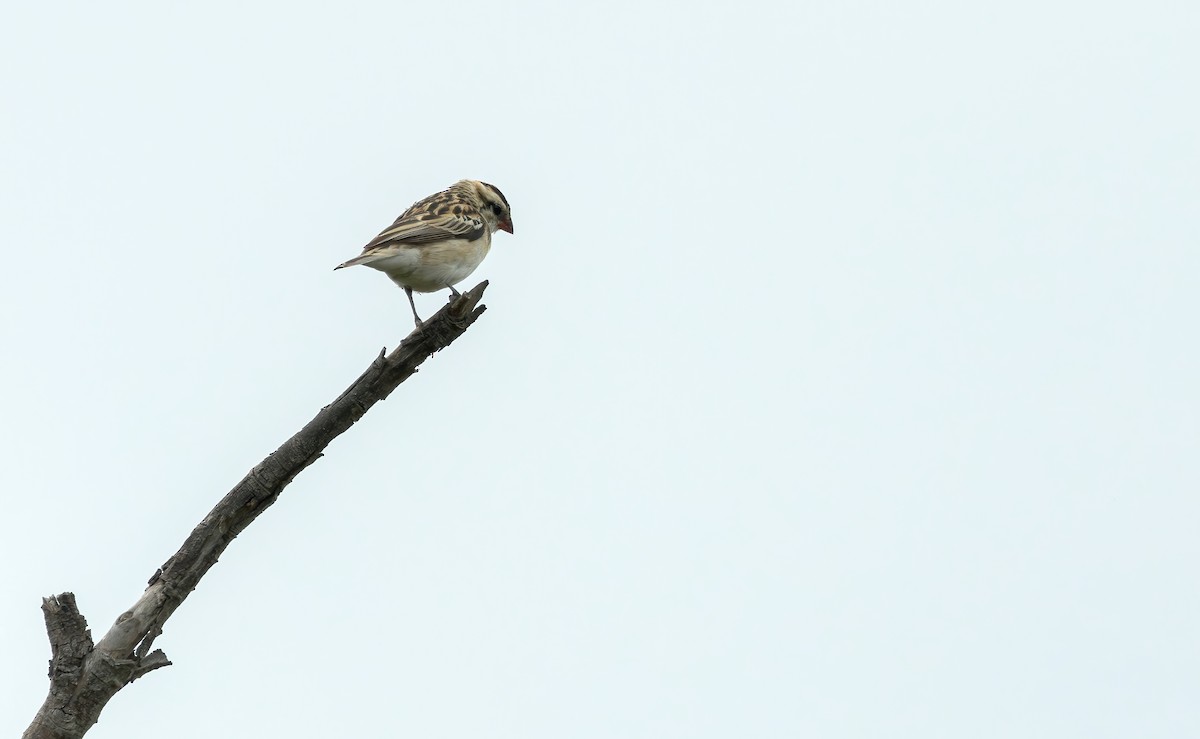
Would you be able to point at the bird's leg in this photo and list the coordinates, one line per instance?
(454, 293)
(408, 292)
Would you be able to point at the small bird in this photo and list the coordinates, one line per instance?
(439, 241)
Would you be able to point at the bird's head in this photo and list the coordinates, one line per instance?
(495, 206)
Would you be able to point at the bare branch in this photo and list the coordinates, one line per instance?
(83, 676)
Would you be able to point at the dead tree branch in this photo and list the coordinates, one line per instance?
(83, 675)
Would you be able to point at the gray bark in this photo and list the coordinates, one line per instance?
(84, 675)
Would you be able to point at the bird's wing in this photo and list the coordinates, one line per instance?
(436, 218)
(428, 227)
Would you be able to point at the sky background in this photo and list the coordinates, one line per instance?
(840, 379)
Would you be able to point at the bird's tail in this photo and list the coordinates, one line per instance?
(360, 259)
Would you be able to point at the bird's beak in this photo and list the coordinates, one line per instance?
(505, 226)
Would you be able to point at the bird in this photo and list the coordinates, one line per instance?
(440, 240)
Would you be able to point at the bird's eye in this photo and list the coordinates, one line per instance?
(497, 209)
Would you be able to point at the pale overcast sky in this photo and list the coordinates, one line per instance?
(840, 379)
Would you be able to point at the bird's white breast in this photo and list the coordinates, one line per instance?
(430, 267)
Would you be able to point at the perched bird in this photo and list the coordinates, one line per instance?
(439, 241)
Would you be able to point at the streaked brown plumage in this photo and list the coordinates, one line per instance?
(439, 241)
